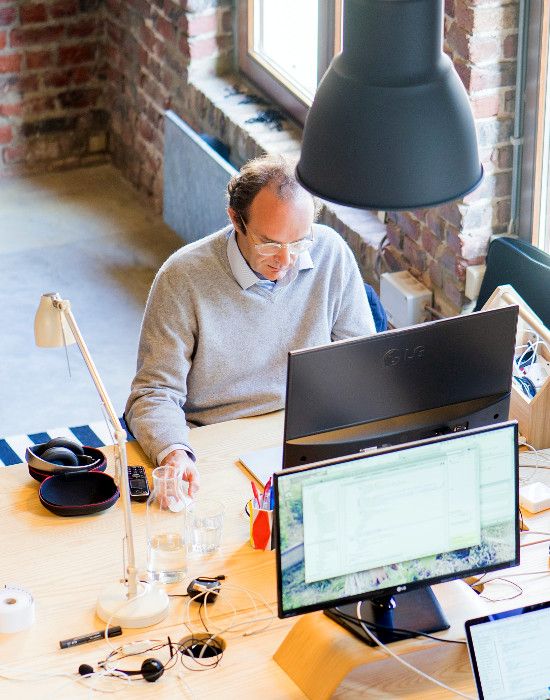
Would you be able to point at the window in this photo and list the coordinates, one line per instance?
(534, 196)
(286, 46)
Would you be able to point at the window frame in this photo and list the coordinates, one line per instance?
(273, 83)
(534, 170)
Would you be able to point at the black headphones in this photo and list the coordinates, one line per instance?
(60, 451)
(151, 670)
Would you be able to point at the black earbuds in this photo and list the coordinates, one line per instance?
(151, 670)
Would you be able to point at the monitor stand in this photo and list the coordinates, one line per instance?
(417, 610)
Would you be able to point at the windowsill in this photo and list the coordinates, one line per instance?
(223, 115)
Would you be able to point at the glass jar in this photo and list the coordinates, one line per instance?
(166, 526)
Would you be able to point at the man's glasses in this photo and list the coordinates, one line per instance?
(294, 248)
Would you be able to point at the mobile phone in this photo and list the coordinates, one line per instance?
(137, 478)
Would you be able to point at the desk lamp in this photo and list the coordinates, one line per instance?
(390, 126)
(129, 603)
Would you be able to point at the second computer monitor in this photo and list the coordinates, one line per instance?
(398, 386)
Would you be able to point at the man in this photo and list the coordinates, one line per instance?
(224, 311)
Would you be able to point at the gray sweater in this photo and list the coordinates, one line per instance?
(211, 351)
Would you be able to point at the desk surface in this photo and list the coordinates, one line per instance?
(66, 562)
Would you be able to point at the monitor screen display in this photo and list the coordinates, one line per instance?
(402, 517)
(398, 386)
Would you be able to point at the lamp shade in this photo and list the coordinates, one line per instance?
(390, 126)
(51, 329)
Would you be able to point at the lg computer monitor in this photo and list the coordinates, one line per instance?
(380, 528)
(399, 386)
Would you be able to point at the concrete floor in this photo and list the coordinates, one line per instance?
(87, 235)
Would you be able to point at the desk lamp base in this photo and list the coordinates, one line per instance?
(151, 605)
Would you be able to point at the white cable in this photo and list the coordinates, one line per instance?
(406, 663)
(32, 676)
(116, 611)
(530, 466)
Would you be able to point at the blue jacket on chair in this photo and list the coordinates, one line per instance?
(378, 313)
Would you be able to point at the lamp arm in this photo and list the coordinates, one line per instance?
(64, 307)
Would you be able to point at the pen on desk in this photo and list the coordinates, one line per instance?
(92, 637)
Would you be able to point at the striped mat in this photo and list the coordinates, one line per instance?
(12, 449)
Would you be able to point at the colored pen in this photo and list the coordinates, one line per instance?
(256, 495)
(92, 637)
(272, 499)
(266, 491)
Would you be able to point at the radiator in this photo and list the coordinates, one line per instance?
(195, 181)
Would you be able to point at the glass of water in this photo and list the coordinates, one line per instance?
(204, 525)
(166, 527)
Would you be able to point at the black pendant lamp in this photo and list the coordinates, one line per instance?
(390, 126)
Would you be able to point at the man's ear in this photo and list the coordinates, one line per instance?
(232, 214)
(236, 220)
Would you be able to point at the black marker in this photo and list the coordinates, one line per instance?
(92, 637)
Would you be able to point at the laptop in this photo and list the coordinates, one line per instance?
(510, 653)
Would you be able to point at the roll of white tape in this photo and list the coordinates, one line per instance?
(16, 609)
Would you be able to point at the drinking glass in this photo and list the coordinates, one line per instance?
(204, 525)
(166, 526)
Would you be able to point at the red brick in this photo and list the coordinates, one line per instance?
(510, 46)
(78, 98)
(82, 29)
(430, 242)
(165, 28)
(42, 35)
(504, 157)
(10, 63)
(414, 254)
(8, 16)
(226, 21)
(6, 134)
(82, 74)
(38, 59)
(31, 13)
(64, 8)
(13, 154)
(458, 39)
(37, 105)
(57, 79)
(487, 106)
(3, 40)
(80, 53)
(11, 109)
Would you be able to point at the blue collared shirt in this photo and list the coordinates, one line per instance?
(245, 275)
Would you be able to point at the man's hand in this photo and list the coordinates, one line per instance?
(189, 472)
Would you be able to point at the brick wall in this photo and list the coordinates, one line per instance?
(51, 75)
(153, 48)
(439, 244)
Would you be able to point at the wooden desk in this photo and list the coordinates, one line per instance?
(65, 562)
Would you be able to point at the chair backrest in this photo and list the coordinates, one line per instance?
(525, 267)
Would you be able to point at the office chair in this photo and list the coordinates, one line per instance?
(378, 311)
(522, 265)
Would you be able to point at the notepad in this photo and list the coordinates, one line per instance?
(262, 463)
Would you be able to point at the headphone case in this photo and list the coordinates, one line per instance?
(72, 489)
(78, 493)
